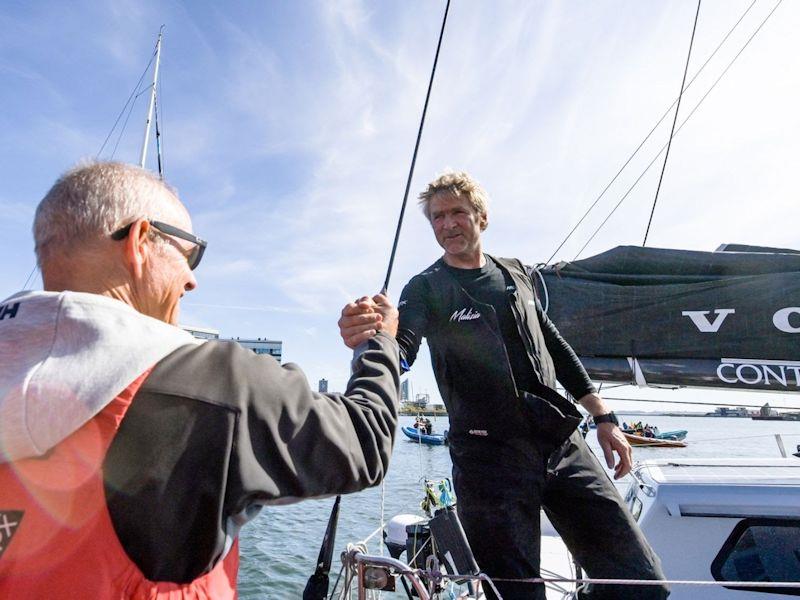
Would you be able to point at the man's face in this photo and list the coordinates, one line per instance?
(167, 276)
(456, 225)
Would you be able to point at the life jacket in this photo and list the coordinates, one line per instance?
(57, 539)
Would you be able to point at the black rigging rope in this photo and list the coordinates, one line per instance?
(158, 140)
(33, 270)
(414, 157)
(317, 586)
(647, 137)
(674, 121)
(122, 112)
(131, 100)
(700, 102)
(124, 125)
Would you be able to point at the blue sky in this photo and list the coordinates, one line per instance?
(288, 130)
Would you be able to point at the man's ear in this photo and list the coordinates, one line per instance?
(484, 221)
(137, 248)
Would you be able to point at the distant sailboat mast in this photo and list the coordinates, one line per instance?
(143, 155)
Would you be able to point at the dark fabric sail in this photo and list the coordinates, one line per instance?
(727, 319)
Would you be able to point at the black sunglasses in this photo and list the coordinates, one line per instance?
(193, 258)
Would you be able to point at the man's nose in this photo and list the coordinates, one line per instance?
(191, 283)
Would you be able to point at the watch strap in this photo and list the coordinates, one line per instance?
(609, 417)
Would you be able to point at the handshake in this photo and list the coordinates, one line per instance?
(365, 317)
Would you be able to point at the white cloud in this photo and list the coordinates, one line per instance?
(292, 148)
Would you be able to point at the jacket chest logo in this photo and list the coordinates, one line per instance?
(465, 314)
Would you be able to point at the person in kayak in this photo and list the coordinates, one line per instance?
(131, 454)
(513, 440)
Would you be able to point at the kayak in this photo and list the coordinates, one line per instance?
(678, 434)
(640, 440)
(433, 439)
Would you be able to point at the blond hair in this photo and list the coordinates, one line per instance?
(457, 183)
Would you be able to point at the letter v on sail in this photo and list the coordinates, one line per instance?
(701, 321)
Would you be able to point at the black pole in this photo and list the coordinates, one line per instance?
(674, 120)
(414, 157)
(317, 585)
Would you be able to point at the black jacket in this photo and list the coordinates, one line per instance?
(216, 432)
(469, 355)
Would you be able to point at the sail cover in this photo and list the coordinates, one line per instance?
(660, 317)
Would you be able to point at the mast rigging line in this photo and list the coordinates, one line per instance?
(158, 138)
(647, 168)
(131, 97)
(414, 156)
(33, 270)
(151, 105)
(124, 125)
(675, 120)
(402, 213)
(647, 137)
(131, 100)
(698, 403)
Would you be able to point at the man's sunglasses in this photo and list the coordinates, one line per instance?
(193, 258)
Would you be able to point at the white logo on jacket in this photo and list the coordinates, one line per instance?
(465, 314)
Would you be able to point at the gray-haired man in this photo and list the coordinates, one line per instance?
(130, 453)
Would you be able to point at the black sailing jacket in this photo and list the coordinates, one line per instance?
(470, 362)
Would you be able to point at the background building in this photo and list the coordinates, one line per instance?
(263, 346)
(258, 345)
(323, 385)
(202, 333)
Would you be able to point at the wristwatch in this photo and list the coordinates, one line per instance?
(609, 417)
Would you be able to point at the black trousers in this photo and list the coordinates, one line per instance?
(500, 494)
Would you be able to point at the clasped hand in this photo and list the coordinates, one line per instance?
(365, 317)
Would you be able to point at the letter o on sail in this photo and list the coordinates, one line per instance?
(722, 376)
(754, 369)
(781, 319)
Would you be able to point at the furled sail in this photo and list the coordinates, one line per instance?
(659, 317)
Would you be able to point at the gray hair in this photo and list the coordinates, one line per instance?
(457, 183)
(95, 199)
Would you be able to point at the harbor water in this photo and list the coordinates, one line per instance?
(279, 549)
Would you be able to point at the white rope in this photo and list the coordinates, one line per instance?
(421, 548)
(544, 288)
(643, 582)
(634, 582)
(383, 507)
(419, 455)
(368, 538)
(383, 524)
(349, 565)
(744, 437)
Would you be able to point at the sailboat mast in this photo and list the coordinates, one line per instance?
(143, 155)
